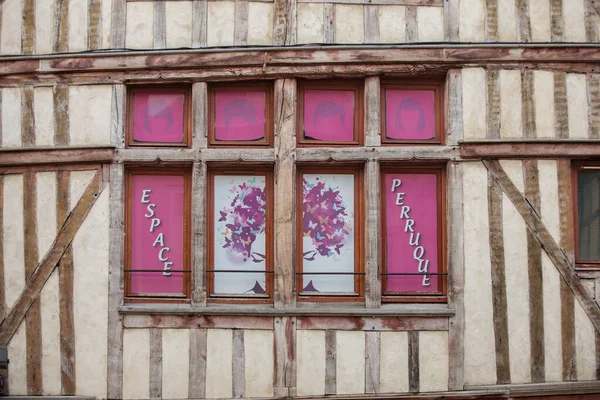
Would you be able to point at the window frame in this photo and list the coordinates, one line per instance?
(575, 169)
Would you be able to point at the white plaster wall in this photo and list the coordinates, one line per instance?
(139, 31)
(471, 20)
(430, 24)
(43, 109)
(89, 114)
(433, 361)
(392, 25)
(260, 23)
(507, 24)
(574, 20)
(510, 104)
(543, 87)
(44, 20)
(11, 117)
(310, 23)
(474, 100)
(479, 325)
(179, 24)
(578, 106)
(221, 22)
(349, 24)
(585, 345)
(80, 180)
(10, 35)
(13, 240)
(350, 364)
(219, 369)
(106, 10)
(539, 15)
(78, 25)
(175, 363)
(17, 352)
(310, 367)
(259, 368)
(90, 292)
(136, 364)
(393, 362)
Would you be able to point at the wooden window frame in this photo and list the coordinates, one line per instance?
(359, 233)
(186, 90)
(576, 168)
(427, 83)
(267, 88)
(357, 86)
(441, 296)
(175, 170)
(240, 169)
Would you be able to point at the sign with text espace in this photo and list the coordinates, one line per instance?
(411, 237)
(157, 234)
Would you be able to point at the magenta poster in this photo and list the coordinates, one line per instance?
(157, 234)
(329, 115)
(410, 114)
(411, 232)
(239, 115)
(158, 117)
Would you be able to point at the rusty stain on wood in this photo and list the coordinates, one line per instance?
(27, 117)
(372, 354)
(410, 20)
(523, 22)
(492, 78)
(199, 22)
(94, 24)
(197, 387)
(561, 112)
(156, 356)
(160, 24)
(491, 20)
(330, 362)
(556, 20)
(28, 27)
(528, 110)
(240, 29)
(60, 31)
(593, 91)
(239, 364)
(413, 362)
(61, 115)
(329, 23)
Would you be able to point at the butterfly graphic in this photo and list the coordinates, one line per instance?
(226, 233)
(223, 216)
(323, 220)
(312, 225)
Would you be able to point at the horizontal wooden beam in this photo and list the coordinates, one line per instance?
(72, 155)
(374, 324)
(428, 3)
(197, 321)
(543, 389)
(530, 149)
(395, 153)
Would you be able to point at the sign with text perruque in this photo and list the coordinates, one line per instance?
(329, 115)
(240, 213)
(157, 234)
(411, 232)
(328, 232)
(240, 115)
(158, 117)
(409, 114)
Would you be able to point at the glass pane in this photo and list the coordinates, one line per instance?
(411, 236)
(240, 115)
(158, 117)
(410, 114)
(240, 213)
(328, 232)
(329, 115)
(588, 198)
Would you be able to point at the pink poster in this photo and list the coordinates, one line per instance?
(158, 117)
(410, 114)
(411, 232)
(157, 234)
(329, 115)
(240, 115)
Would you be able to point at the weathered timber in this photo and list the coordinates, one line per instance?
(285, 363)
(371, 22)
(563, 149)
(160, 24)
(429, 3)
(543, 389)
(556, 20)
(373, 277)
(597, 345)
(410, 29)
(199, 22)
(453, 107)
(372, 111)
(239, 364)
(492, 78)
(371, 153)
(199, 321)
(117, 116)
(591, 22)
(330, 362)
(528, 105)
(329, 23)
(60, 33)
(561, 110)
(240, 29)
(155, 373)
(523, 22)
(197, 386)
(491, 20)
(413, 362)
(117, 23)
(61, 115)
(284, 27)
(200, 115)
(593, 94)
(199, 231)
(374, 323)
(2, 279)
(28, 28)
(451, 21)
(27, 117)
(94, 24)
(372, 362)
(38, 156)
(567, 323)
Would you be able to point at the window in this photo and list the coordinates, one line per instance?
(413, 226)
(587, 215)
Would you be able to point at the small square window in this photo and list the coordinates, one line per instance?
(587, 215)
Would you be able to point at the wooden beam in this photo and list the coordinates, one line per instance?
(329, 23)
(561, 106)
(593, 94)
(411, 32)
(528, 105)
(426, 3)
(53, 155)
(372, 362)
(199, 22)
(492, 78)
(2, 279)
(118, 22)
(491, 20)
(155, 373)
(28, 27)
(200, 321)
(451, 20)
(27, 117)
(285, 356)
(564, 149)
(240, 28)
(60, 33)
(413, 362)
(373, 277)
(160, 24)
(371, 24)
(453, 107)
(284, 27)
(239, 364)
(330, 362)
(556, 20)
(197, 386)
(61, 115)
(373, 323)
(94, 24)
(199, 174)
(523, 21)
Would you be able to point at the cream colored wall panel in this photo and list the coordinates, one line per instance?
(219, 359)
(310, 367)
(139, 32)
(548, 179)
(574, 20)
(259, 368)
(175, 363)
(46, 211)
(43, 109)
(392, 25)
(260, 23)
(543, 87)
(11, 117)
(510, 104)
(179, 24)
(221, 22)
(474, 100)
(136, 364)
(539, 14)
(471, 20)
(89, 114)
(585, 345)
(507, 24)
(17, 352)
(50, 312)
(430, 24)
(479, 324)
(44, 20)
(80, 180)
(514, 170)
(310, 23)
(433, 361)
(10, 35)
(578, 106)
(78, 25)
(106, 14)
(393, 362)
(349, 24)
(350, 365)
(90, 294)
(13, 240)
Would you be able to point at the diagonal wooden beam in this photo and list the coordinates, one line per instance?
(541, 233)
(44, 269)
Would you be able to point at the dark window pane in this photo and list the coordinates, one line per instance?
(588, 197)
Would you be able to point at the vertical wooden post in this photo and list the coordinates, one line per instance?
(371, 22)
(95, 24)
(329, 23)
(197, 387)
(491, 20)
(330, 362)
(199, 21)
(451, 22)
(240, 28)
(413, 362)
(372, 364)
(117, 24)
(492, 78)
(156, 356)
(160, 24)
(411, 30)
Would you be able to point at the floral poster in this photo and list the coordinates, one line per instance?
(158, 117)
(240, 115)
(329, 115)
(240, 212)
(409, 114)
(328, 232)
